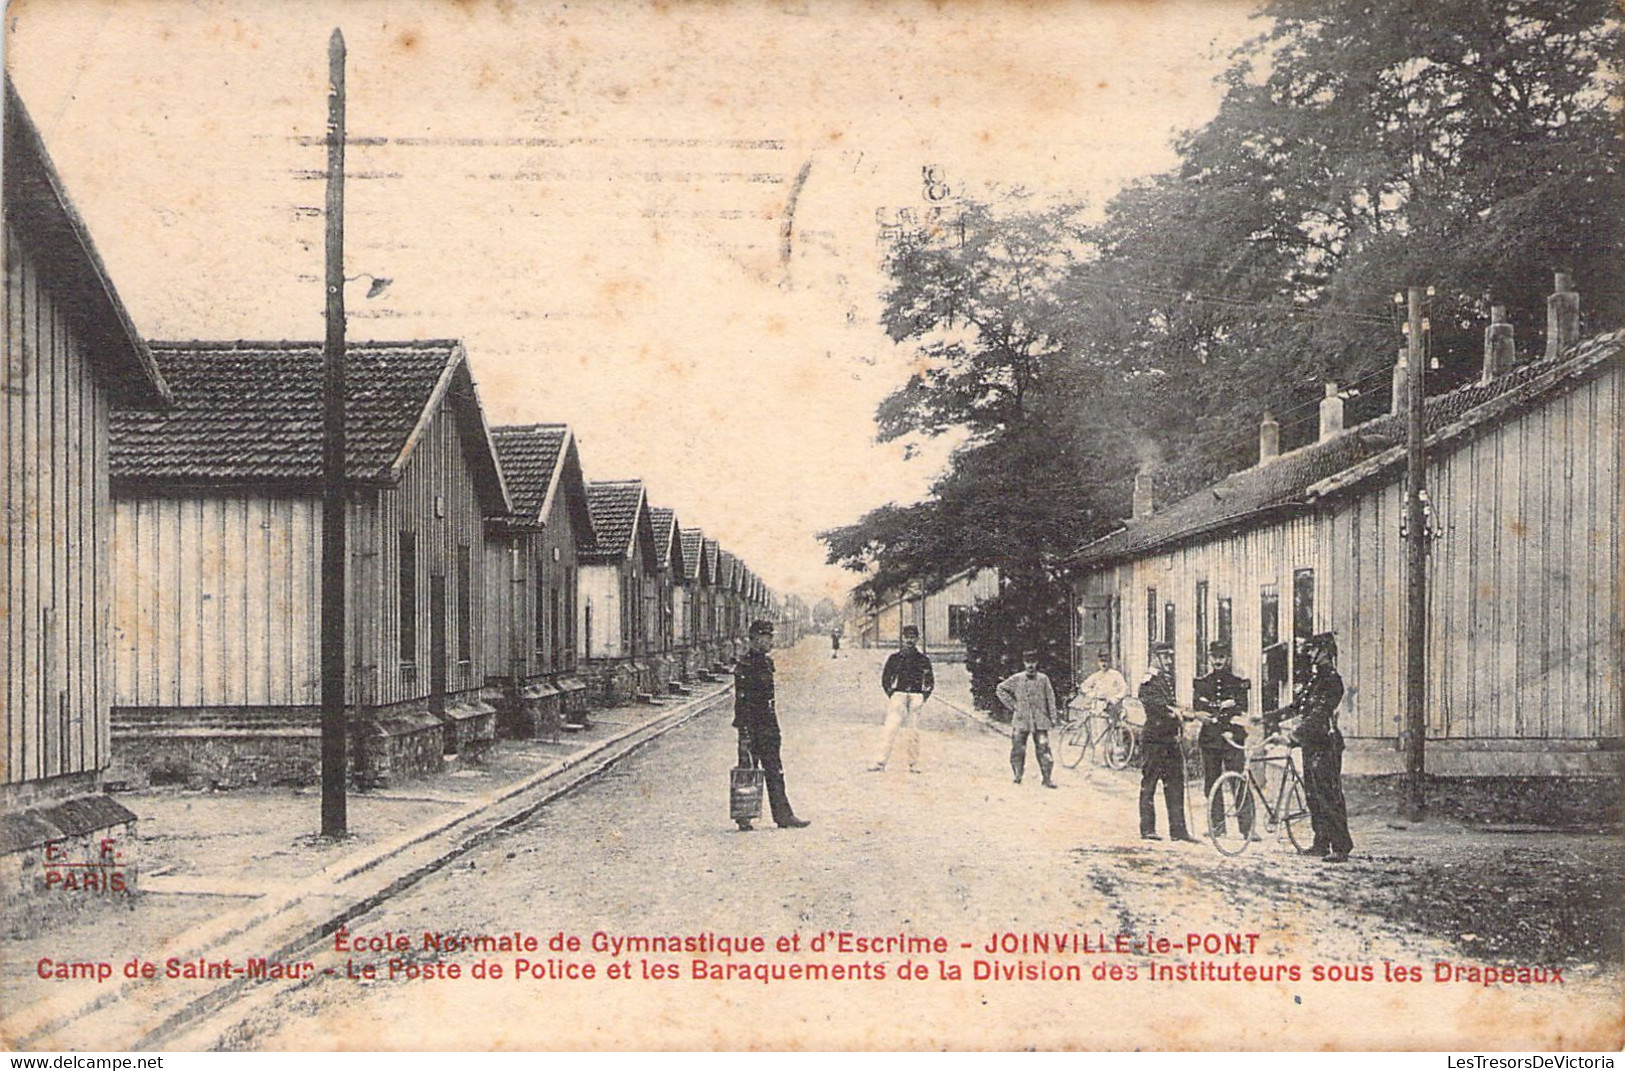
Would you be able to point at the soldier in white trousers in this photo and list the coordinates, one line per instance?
(908, 682)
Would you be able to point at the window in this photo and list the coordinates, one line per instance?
(1227, 627)
(539, 639)
(628, 608)
(1303, 618)
(465, 603)
(1272, 652)
(553, 627)
(570, 618)
(407, 594)
(1117, 631)
(958, 622)
(1201, 628)
(1168, 633)
(1150, 622)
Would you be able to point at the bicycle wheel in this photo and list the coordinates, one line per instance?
(1231, 813)
(1295, 813)
(1118, 747)
(1074, 742)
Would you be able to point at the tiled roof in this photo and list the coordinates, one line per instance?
(529, 454)
(664, 522)
(252, 411)
(615, 506)
(44, 221)
(693, 540)
(727, 571)
(1320, 469)
(713, 562)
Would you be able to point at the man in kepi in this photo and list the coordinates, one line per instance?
(1315, 708)
(756, 718)
(1031, 702)
(1104, 684)
(1163, 761)
(1221, 697)
(908, 682)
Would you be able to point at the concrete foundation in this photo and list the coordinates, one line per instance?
(233, 747)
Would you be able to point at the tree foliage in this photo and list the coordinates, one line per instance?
(1032, 616)
(1361, 146)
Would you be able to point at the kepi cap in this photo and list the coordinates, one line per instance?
(1321, 641)
(761, 628)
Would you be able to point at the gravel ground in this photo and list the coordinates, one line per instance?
(961, 854)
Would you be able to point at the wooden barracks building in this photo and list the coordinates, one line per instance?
(217, 553)
(1524, 634)
(532, 577)
(619, 578)
(70, 354)
(163, 541)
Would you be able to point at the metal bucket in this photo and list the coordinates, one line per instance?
(745, 784)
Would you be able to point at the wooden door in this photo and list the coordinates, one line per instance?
(437, 644)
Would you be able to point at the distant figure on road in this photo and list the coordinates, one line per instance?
(908, 682)
(1031, 701)
(1105, 684)
(1162, 762)
(756, 717)
(1315, 707)
(835, 643)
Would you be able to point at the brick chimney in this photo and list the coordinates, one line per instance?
(1562, 316)
(1269, 439)
(1499, 350)
(1142, 494)
(1402, 376)
(1331, 413)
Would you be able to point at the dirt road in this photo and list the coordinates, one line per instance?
(933, 867)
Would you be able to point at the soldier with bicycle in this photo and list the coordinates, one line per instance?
(1220, 697)
(1314, 707)
(1105, 684)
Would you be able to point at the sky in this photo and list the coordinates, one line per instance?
(657, 222)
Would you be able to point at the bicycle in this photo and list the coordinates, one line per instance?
(1232, 803)
(1101, 730)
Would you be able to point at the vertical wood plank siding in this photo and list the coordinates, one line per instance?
(558, 654)
(969, 590)
(55, 668)
(600, 592)
(509, 614)
(197, 622)
(216, 597)
(519, 586)
(1524, 619)
(438, 471)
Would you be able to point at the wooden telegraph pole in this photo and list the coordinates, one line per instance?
(1416, 550)
(335, 820)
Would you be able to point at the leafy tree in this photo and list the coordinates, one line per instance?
(980, 308)
(1032, 617)
(1361, 146)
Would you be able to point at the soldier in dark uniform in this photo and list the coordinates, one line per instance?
(1315, 708)
(1221, 696)
(756, 718)
(1162, 759)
